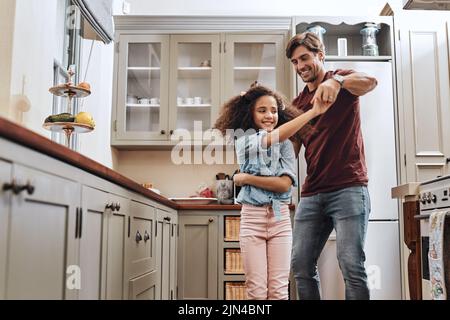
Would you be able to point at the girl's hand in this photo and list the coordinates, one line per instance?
(240, 179)
(320, 107)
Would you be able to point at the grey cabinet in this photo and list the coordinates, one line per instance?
(116, 252)
(102, 244)
(84, 238)
(171, 84)
(5, 204)
(166, 254)
(141, 239)
(144, 287)
(424, 94)
(93, 243)
(41, 234)
(197, 257)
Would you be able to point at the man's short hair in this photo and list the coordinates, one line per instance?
(307, 39)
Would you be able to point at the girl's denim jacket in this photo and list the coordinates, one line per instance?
(275, 161)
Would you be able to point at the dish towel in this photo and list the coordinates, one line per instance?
(436, 255)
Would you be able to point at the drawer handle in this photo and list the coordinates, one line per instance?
(211, 220)
(16, 188)
(117, 206)
(167, 219)
(138, 237)
(146, 236)
(110, 206)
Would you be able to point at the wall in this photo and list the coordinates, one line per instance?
(258, 7)
(99, 74)
(7, 13)
(34, 51)
(172, 180)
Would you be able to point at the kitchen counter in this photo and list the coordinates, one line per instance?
(32, 140)
(25, 137)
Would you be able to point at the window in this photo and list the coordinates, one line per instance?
(67, 56)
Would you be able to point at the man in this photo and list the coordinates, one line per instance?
(335, 193)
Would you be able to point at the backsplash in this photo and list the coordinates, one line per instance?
(157, 168)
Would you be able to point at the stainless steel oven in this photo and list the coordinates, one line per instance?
(434, 196)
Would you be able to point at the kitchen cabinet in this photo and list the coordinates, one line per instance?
(141, 239)
(172, 84)
(142, 106)
(41, 234)
(424, 94)
(231, 285)
(76, 239)
(198, 256)
(102, 244)
(166, 254)
(144, 287)
(5, 205)
(93, 243)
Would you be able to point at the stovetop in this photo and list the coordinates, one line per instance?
(435, 194)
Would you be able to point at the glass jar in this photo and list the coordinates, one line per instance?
(369, 41)
(318, 30)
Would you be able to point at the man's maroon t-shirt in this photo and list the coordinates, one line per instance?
(334, 148)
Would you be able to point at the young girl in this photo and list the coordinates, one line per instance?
(261, 129)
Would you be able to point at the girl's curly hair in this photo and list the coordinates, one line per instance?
(237, 113)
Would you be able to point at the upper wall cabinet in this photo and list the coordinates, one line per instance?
(351, 38)
(142, 88)
(173, 76)
(424, 94)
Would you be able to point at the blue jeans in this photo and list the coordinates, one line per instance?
(347, 211)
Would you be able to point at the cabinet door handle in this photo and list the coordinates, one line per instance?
(447, 160)
(167, 219)
(80, 225)
(146, 236)
(163, 131)
(17, 188)
(110, 206)
(171, 132)
(138, 237)
(117, 206)
(211, 220)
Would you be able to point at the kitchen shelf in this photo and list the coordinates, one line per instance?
(254, 68)
(358, 58)
(194, 106)
(143, 68)
(137, 105)
(194, 72)
(254, 73)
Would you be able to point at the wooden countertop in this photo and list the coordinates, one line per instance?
(32, 140)
(25, 137)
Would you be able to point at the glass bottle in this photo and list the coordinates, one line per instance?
(369, 41)
(318, 30)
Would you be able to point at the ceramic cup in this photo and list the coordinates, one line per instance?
(154, 101)
(144, 100)
(224, 191)
(197, 100)
(132, 99)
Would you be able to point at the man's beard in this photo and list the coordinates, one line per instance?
(312, 78)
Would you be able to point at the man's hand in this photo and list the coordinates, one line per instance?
(320, 107)
(327, 92)
(240, 179)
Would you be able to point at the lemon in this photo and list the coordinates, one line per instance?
(85, 118)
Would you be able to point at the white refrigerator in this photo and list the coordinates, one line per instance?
(382, 246)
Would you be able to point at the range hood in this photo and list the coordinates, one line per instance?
(427, 4)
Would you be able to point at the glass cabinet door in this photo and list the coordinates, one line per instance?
(142, 106)
(195, 95)
(250, 58)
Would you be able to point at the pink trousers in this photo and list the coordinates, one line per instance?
(266, 252)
